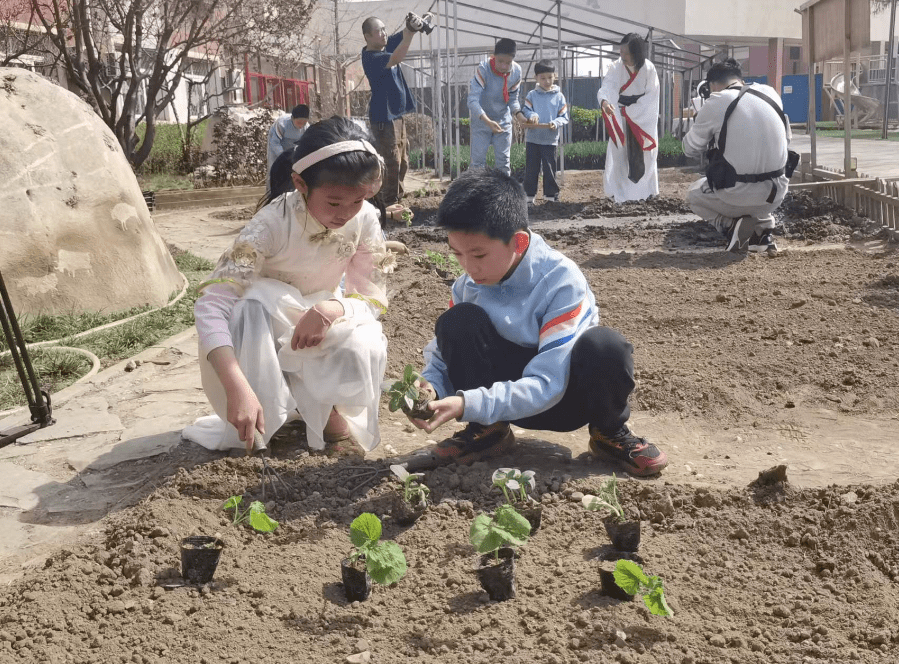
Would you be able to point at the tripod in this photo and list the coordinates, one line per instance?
(38, 401)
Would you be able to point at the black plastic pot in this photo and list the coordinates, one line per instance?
(498, 577)
(608, 587)
(200, 557)
(625, 535)
(533, 512)
(356, 582)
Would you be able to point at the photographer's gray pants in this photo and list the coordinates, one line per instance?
(720, 208)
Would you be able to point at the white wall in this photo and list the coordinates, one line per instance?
(748, 19)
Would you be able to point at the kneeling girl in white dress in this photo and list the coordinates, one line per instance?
(278, 335)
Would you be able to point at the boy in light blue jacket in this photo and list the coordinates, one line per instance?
(546, 111)
(492, 103)
(521, 342)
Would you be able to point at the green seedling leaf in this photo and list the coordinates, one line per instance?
(365, 529)
(385, 563)
(259, 520)
(409, 374)
(632, 580)
(506, 528)
(629, 576)
(232, 502)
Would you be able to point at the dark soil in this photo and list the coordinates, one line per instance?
(765, 573)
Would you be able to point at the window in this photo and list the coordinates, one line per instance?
(795, 52)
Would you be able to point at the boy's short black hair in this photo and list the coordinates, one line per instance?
(725, 71)
(505, 46)
(544, 67)
(484, 201)
(300, 111)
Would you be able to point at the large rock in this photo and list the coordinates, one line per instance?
(75, 232)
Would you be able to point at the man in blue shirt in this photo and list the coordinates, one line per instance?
(391, 98)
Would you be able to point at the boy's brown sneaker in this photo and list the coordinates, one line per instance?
(637, 455)
(476, 442)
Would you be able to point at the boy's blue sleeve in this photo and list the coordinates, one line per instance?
(475, 89)
(543, 382)
(561, 118)
(514, 89)
(528, 107)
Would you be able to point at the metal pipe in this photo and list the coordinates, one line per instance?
(561, 68)
(457, 116)
(888, 83)
(847, 90)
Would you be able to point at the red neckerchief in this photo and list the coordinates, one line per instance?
(505, 79)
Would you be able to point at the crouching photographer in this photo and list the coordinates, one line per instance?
(391, 98)
(745, 135)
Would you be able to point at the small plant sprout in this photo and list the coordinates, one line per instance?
(254, 515)
(406, 216)
(632, 580)
(514, 483)
(384, 561)
(607, 499)
(415, 492)
(506, 528)
(404, 394)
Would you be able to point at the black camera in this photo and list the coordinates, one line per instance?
(426, 26)
(703, 90)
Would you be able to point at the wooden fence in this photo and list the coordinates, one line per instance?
(874, 198)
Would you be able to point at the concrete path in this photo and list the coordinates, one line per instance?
(876, 158)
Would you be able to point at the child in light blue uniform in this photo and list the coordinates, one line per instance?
(545, 104)
(285, 132)
(492, 102)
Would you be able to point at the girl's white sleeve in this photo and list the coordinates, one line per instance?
(237, 268)
(365, 292)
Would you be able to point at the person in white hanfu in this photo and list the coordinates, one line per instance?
(279, 336)
(629, 101)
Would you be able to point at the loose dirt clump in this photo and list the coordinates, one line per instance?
(822, 220)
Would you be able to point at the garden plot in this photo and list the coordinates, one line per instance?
(770, 357)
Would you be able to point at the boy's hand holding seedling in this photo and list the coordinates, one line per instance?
(450, 408)
(411, 394)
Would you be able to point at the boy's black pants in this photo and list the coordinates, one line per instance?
(535, 157)
(600, 381)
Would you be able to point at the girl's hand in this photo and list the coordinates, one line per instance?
(534, 119)
(314, 324)
(607, 107)
(245, 412)
(447, 409)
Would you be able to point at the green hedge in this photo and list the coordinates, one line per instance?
(581, 155)
(166, 155)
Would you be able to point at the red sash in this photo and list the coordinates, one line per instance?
(616, 134)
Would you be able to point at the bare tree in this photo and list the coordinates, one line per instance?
(21, 35)
(128, 57)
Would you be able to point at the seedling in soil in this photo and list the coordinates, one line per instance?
(404, 394)
(507, 528)
(607, 499)
(254, 515)
(514, 483)
(384, 561)
(445, 265)
(632, 580)
(406, 216)
(415, 492)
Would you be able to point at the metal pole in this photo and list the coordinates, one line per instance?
(847, 91)
(889, 72)
(561, 65)
(812, 88)
(438, 101)
(458, 114)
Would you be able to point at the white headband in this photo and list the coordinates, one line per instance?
(334, 149)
